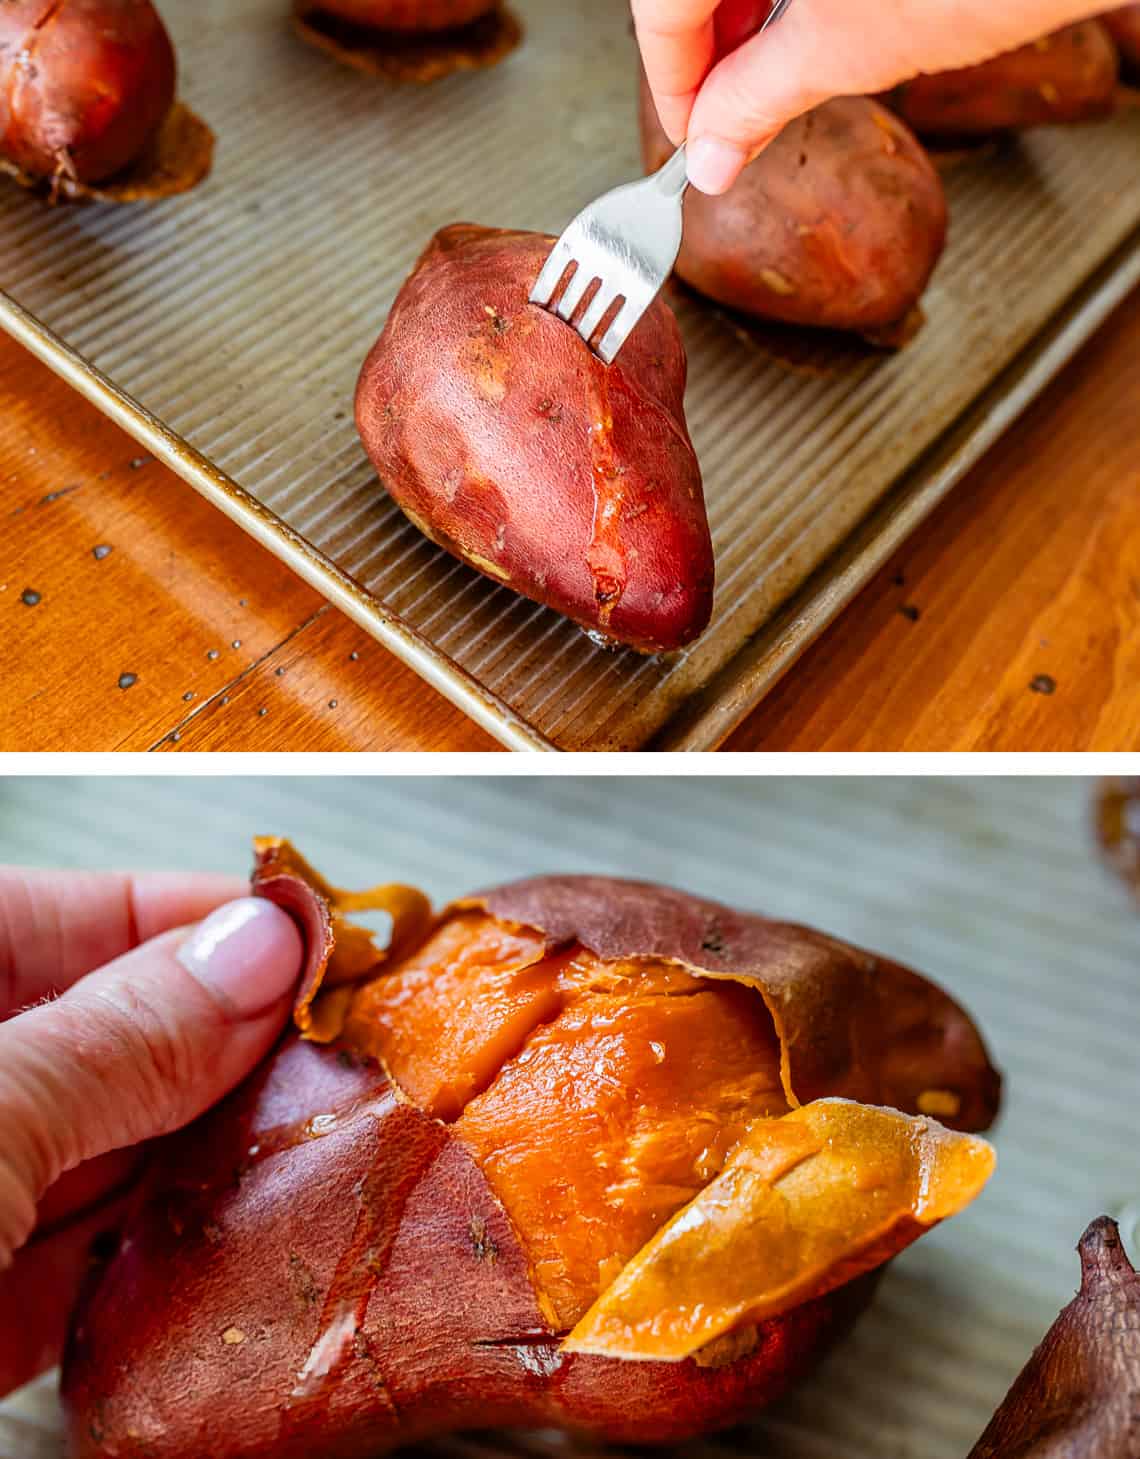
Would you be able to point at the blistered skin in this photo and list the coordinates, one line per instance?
(508, 442)
(84, 84)
(839, 223)
(408, 15)
(1070, 76)
(1124, 27)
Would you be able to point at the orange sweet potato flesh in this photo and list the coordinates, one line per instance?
(1124, 27)
(1069, 76)
(332, 1244)
(839, 223)
(508, 442)
(85, 85)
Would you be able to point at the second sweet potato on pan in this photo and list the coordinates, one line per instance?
(839, 223)
(1070, 76)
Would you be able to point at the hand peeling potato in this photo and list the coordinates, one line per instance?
(575, 1152)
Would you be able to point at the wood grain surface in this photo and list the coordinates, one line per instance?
(136, 617)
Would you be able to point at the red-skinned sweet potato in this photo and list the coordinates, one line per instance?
(1078, 1397)
(508, 442)
(409, 40)
(1066, 77)
(409, 15)
(839, 223)
(1124, 27)
(1117, 818)
(85, 85)
(345, 1260)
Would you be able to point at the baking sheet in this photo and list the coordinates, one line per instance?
(228, 327)
(991, 886)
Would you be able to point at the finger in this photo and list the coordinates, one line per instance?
(55, 926)
(42, 1287)
(677, 39)
(825, 48)
(138, 1048)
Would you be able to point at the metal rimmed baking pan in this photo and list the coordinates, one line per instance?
(225, 330)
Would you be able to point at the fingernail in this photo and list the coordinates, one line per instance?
(247, 953)
(713, 165)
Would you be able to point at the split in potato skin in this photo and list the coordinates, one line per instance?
(348, 1259)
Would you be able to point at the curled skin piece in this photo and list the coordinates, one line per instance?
(503, 438)
(838, 224)
(334, 1242)
(1078, 1397)
(1067, 77)
(803, 1204)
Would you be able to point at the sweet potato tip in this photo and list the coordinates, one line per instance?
(1078, 1397)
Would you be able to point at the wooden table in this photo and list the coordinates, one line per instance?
(136, 617)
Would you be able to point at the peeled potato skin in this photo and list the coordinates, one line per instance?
(84, 84)
(1124, 27)
(508, 442)
(408, 15)
(1067, 77)
(839, 223)
(236, 1264)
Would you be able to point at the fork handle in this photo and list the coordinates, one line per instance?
(673, 178)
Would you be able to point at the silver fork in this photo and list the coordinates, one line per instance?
(626, 242)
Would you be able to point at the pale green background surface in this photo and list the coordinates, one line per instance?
(992, 887)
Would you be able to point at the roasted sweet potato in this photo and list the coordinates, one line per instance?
(408, 15)
(1069, 76)
(409, 40)
(85, 85)
(508, 442)
(1124, 27)
(839, 223)
(543, 1162)
(1078, 1397)
(1117, 816)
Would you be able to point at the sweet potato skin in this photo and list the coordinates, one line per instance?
(1066, 77)
(408, 15)
(1124, 27)
(839, 223)
(84, 85)
(509, 443)
(380, 1229)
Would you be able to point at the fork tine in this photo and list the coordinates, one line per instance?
(595, 311)
(552, 271)
(575, 291)
(620, 330)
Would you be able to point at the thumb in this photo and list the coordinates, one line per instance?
(138, 1048)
